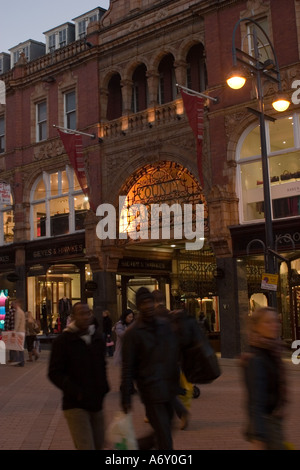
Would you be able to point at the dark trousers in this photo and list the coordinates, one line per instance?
(160, 417)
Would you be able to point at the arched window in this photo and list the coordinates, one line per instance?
(196, 68)
(167, 81)
(58, 205)
(7, 223)
(283, 148)
(114, 103)
(139, 89)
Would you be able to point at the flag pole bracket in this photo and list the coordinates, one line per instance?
(74, 131)
(197, 93)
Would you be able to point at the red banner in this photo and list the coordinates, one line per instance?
(194, 108)
(73, 146)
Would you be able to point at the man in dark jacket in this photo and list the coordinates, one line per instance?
(150, 357)
(77, 366)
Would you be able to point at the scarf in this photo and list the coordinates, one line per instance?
(86, 336)
(274, 347)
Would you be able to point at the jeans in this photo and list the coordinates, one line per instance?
(86, 428)
(160, 417)
(20, 358)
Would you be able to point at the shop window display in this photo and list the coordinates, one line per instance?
(283, 146)
(7, 223)
(58, 205)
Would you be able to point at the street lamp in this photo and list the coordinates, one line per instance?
(269, 70)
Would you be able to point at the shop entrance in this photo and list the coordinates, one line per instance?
(46, 293)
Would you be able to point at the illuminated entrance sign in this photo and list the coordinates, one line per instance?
(163, 221)
(161, 202)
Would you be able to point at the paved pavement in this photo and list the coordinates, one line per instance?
(31, 416)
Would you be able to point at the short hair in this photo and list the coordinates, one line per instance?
(158, 296)
(77, 305)
(257, 315)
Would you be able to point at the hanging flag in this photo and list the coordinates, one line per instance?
(194, 108)
(73, 146)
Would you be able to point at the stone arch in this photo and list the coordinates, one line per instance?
(161, 182)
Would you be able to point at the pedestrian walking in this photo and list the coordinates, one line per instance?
(150, 358)
(265, 381)
(182, 402)
(31, 330)
(120, 327)
(107, 332)
(77, 366)
(19, 328)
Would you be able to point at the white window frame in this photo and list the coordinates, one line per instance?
(62, 38)
(41, 123)
(71, 194)
(69, 112)
(52, 42)
(257, 158)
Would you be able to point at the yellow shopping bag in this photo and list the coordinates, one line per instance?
(189, 390)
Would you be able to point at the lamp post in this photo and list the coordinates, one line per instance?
(269, 70)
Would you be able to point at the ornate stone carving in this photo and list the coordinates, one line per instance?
(48, 150)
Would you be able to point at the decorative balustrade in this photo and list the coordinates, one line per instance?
(141, 121)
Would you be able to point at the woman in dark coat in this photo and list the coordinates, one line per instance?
(77, 366)
(264, 378)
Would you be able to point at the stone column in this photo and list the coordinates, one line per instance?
(103, 103)
(21, 284)
(152, 80)
(126, 86)
(105, 297)
(231, 291)
(180, 73)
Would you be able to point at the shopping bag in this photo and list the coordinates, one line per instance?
(121, 432)
(14, 340)
(186, 398)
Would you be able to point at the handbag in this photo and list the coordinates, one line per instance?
(199, 362)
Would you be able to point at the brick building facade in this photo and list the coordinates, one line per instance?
(119, 84)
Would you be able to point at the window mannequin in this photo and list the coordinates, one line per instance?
(64, 310)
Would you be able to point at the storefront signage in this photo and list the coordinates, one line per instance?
(63, 250)
(91, 286)
(286, 237)
(269, 281)
(6, 257)
(4, 193)
(149, 265)
(13, 277)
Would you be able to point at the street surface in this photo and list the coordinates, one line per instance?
(31, 416)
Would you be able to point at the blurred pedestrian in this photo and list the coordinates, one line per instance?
(150, 357)
(19, 328)
(31, 330)
(77, 366)
(182, 402)
(120, 327)
(204, 322)
(265, 381)
(107, 332)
